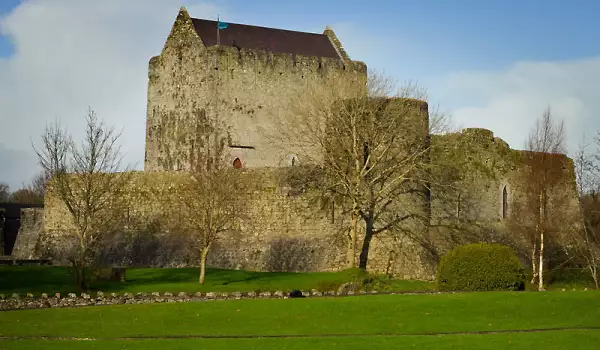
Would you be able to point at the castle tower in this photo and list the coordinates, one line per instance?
(239, 82)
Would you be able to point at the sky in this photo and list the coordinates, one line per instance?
(491, 64)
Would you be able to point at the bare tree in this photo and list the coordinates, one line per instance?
(373, 151)
(38, 184)
(86, 179)
(32, 193)
(585, 243)
(214, 202)
(26, 196)
(585, 239)
(545, 146)
(214, 199)
(4, 192)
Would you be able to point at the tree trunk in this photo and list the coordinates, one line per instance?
(351, 254)
(80, 274)
(203, 256)
(364, 253)
(534, 269)
(541, 230)
(81, 278)
(541, 264)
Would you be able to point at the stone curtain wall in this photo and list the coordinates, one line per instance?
(190, 84)
(287, 230)
(283, 231)
(473, 210)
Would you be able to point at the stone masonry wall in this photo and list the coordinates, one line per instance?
(284, 231)
(26, 244)
(488, 167)
(190, 84)
(288, 231)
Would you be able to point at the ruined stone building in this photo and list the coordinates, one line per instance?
(249, 76)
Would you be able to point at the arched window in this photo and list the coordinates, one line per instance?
(237, 163)
(290, 160)
(504, 203)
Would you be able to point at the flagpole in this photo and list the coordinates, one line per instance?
(218, 38)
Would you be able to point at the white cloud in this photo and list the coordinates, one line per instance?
(509, 101)
(74, 54)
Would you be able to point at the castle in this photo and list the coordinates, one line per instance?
(242, 75)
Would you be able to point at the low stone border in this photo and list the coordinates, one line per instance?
(16, 301)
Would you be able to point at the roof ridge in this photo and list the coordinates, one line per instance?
(255, 26)
(247, 36)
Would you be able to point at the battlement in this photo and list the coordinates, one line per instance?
(479, 133)
(277, 62)
(241, 60)
(483, 137)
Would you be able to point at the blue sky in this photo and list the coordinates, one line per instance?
(475, 33)
(5, 45)
(492, 64)
(469, 34)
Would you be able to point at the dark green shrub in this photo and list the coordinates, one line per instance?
(480, 267)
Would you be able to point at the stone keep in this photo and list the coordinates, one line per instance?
(241, 83)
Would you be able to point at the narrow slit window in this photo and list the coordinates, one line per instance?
(504, 203)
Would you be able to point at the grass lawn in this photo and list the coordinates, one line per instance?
(375, 322)
(52, 279)
(545, 340)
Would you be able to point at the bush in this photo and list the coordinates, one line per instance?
(480, 267)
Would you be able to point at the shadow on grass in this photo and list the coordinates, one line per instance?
(29, 279)
(52, 279)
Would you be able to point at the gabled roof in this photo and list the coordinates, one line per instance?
(262, 38)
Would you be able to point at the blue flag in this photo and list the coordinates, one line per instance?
(221, 25)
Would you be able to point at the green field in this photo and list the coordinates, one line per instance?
(50, 279)
(495, 320)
